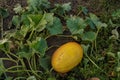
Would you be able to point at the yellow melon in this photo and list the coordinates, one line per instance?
(66, 57)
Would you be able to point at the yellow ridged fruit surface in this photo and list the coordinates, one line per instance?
(66, 57)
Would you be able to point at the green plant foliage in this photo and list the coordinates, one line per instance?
(96, 21)
(4, 12)
(116, 14)
(18, 8)
(56, 27)
(62, 8)
(16, 20)
(45, 63)
(76, 25)
(27, 45)
(39, 45)
(38, 5)
(89, 36)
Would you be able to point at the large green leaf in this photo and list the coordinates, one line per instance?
(25, 52)
(90, 22)
(16, 20)
(20, 34)
(116, 14)
(89, 36)
(37, 22)
(96, 21)
(38, 5)
(83, 9)
(18, 8)
(62, 8)
(56, 27)
(35, 18)
(85, 48)
(49, 18)
(45, 62)
(24, 19)
(66, 6)
(39, 45)
(4, 45)
(32, 5)
(76, 25)
(4, 12)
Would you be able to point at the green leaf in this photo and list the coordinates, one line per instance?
(16, 20)
(96, 21)
(111, 54)
(4, 12)
(38, 5)
(45, 62)
(37, 22)
(31, 78)
(62, 8)
(35, 18)
(116, 14)
(49, 18)
(76, 25)
(89, 36)
(24, 30)
(24, 19)
(32, 4)
(56, 27)
(100, 24)
(39, 45)
(89, 21)
(4, 45)
(115, 34)
(85, 48)
(41, 26)
(18, 8)
(83, 9)
(25, 52)
(94, 18)
(43, 4)
(18, 34)
(66, 6)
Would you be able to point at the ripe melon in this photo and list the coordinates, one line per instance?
(66, 57)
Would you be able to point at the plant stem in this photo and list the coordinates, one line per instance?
(13, 67)
(9, 59)
(34, 60)
(33, 70)
(31, 34)
(96, 39)
(1, 27)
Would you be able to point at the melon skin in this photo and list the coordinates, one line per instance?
(66, 57)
